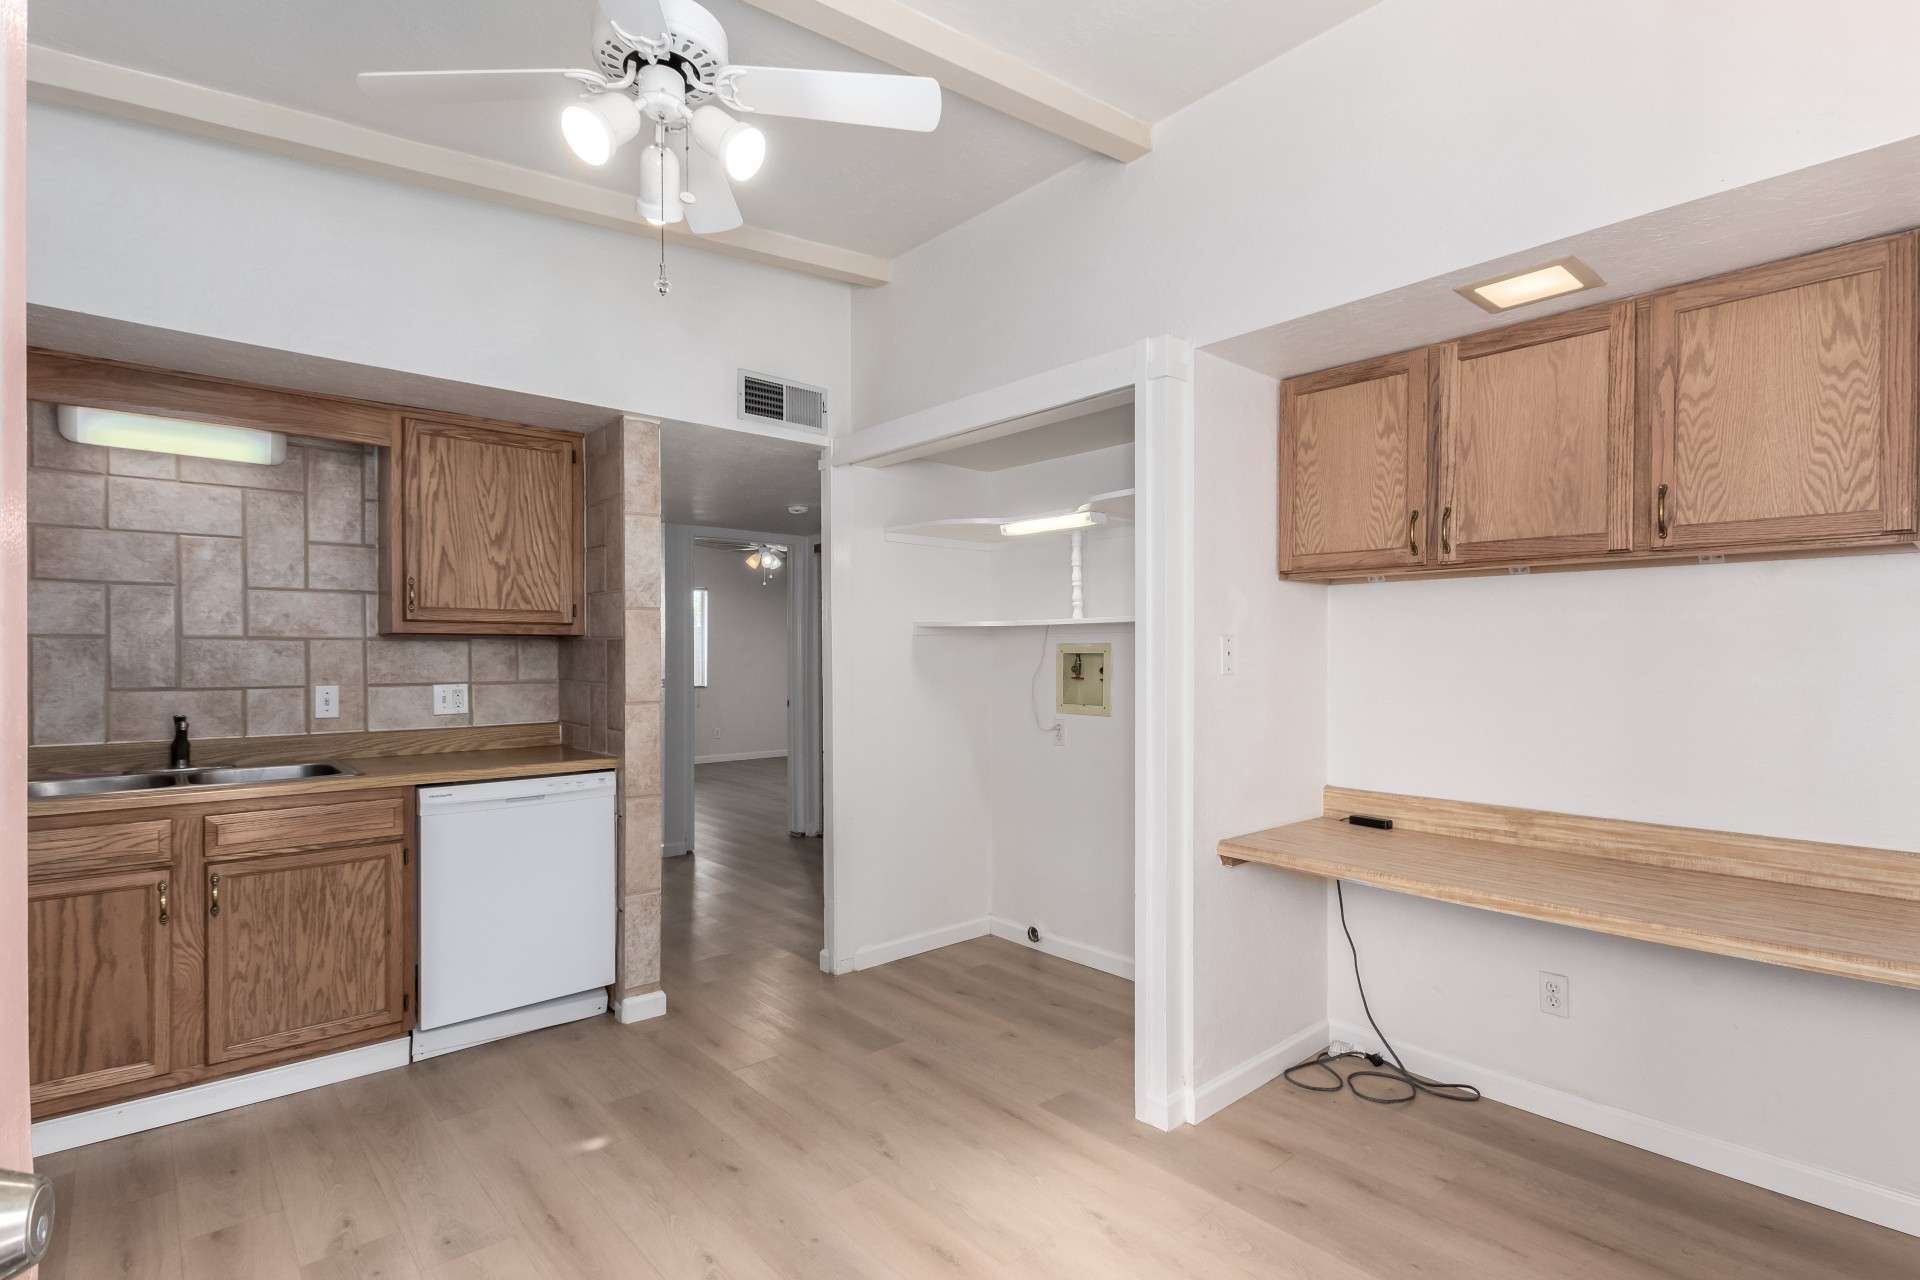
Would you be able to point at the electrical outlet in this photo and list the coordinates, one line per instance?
(1556, 995)
(326, 702)
(1059, 734)
(1226, 655)
(449, 699)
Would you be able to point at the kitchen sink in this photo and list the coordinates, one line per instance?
(217, 776)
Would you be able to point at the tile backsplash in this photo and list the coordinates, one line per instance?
(224, 592)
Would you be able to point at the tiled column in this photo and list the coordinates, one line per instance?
(636, 683)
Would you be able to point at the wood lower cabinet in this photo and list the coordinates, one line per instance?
(1536, 439)
(99, 973)
(485, 529)
(1782, 401)
(1353, 470)
(199, 941)
(304, 947)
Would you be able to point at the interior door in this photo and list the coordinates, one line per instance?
(1536, 439)
(1781, 401)
(98, 981)
(1353, 467)
(303, 947)
(492, 525)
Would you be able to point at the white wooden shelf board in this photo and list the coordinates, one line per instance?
(984, 531)
(1024, 622)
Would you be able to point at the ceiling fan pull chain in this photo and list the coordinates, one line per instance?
(661, 284)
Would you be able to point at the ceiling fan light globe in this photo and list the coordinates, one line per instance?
(598, 126)
(746, 152)
(659, 201)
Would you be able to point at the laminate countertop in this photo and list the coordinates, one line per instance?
(373, 773)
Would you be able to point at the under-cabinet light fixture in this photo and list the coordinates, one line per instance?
(1536, 284)
(1053, 524)
(113, 429)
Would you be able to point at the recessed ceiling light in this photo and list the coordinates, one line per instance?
(1536, 284)
(797, 509)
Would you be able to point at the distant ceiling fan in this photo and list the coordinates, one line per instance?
(665, 62)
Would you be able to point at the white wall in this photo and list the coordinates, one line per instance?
(743, 710)
(1413, 140)
(1259, 739)
(158, 228)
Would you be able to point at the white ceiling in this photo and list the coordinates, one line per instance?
(734, 480)
(874, 190)
(1147, 57)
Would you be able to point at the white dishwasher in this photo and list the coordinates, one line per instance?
(517, 907)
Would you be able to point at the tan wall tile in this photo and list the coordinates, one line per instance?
(213, 598)
(410, 660)
(583, 658)
(276, 712)
(276, 539)
(305, 614)
(539, 658)
(167, 506)
(66, 609)
(405, 706)
(141, 631)
(51, 449)
(69, 690)
(641, 764)
(66, 497)
(640, 940)
(333, 496)
(643, 655)
(640, 850)
(496, 660)
(334, 568)
(288, 476)
(148, 717)
(238, 664)
(644, 562)
(603, 614)
(516, 703)
(641, 466)
(341, 662)
(138, 462)
(98, 555)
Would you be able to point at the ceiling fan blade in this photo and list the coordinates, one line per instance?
(464, 86)
(842, 97)
(713, 208)
(636, 17)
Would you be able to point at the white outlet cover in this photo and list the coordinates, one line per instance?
(449, 699)
(326, 702)
(1556, 995)
(1226, 655)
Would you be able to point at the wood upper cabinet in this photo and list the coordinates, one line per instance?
(1535, 439)
(304, 947)
(1353, 467)
(1781, 402)
(485, 530)
(100, 916)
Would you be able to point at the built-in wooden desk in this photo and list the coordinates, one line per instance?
(1825, 908)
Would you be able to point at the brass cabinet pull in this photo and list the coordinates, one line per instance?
(1660, 511)
(213, 895)
(1413, 542)
(1446, 532)
(163, 902)
(410, 594)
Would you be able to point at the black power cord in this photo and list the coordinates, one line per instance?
(1395, 1072)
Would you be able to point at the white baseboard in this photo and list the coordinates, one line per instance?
(675, 849)
(136, 1115)
(1828, 1188)
(913, 944)
(1235, 1083)
(513, 1022)
(1066, 948)
(651, 1004)
(1165, 1114)
(727, 757)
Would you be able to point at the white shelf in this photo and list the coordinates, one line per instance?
(979, 532)
(999, 623)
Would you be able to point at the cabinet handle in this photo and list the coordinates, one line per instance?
(1660, 511)
(1446, 532)
(1413, 542)
(163, 902)
(410, 595)
(213, 895)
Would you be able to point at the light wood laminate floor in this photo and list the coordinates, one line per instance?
(965, 1112)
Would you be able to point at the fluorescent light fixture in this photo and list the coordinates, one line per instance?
(1537, 284)
(114, 429)
(1053, 524)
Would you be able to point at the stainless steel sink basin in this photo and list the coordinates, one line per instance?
(219, 776)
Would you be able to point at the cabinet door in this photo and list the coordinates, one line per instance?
(1353, 467)
(1536, 440)
(1781, 402)
(492, 527)
(303, 947)
(98, 977)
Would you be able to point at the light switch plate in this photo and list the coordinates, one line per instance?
(326, 702)
(449, 699)
(1226, 654)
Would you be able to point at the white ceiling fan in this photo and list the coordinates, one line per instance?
(665, 62)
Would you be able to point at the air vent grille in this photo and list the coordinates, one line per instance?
(776, 400)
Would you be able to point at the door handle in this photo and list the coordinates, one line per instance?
(163, 902)
(1446, 532)
(1413, 541)
(26, 1220)
(1660, 512)
(213, 895)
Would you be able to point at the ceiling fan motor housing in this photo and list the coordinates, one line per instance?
(696, 48)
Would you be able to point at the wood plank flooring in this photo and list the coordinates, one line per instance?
(962, 1113)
